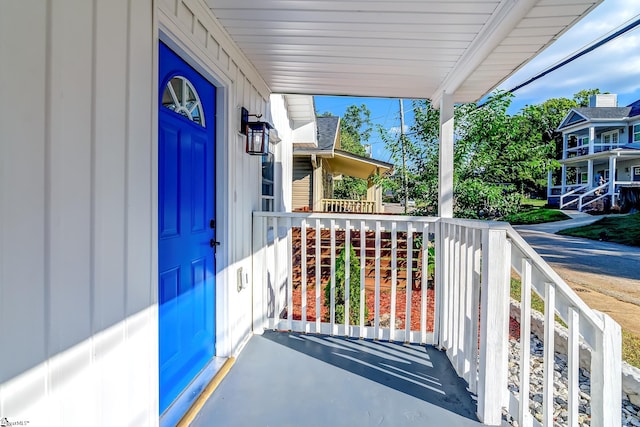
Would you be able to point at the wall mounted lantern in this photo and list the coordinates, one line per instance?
(257, 133)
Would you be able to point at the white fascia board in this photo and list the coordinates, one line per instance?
(306, 133)
(503, 21)
(595, 124)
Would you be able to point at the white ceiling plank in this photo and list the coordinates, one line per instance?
(483, 7)
(401, 48)
(282, 16)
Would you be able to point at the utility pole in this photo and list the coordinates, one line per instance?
(405, 189)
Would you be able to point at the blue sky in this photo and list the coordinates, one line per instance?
(614, 68)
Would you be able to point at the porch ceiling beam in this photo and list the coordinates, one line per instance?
(502, 22)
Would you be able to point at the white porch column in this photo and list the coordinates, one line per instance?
(565, 145)
(317, 186)
(564, 179)
(612, 179)
(592, 139)
(590, 170)
(549, 183)
(445, 172)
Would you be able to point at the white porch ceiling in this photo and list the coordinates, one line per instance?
(394, 48)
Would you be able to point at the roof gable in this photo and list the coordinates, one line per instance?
(327, 132)
(591, 114)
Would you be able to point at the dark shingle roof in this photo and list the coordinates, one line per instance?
(635, 109)
(327, 130)
(592, 113)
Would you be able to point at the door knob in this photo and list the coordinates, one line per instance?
(213, 243)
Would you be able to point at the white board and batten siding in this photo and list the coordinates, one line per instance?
(78, 202)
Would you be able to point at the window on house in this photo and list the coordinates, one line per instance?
(636, 133)
(181, 97)
(268, 185)
(584, 178)
(610, 138)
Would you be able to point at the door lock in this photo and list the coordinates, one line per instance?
(213, 243)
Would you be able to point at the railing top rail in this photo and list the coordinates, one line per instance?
(475, 223)
(561, 285)
(344, 216)
(594, 189)
(581, 187)
(349, 200)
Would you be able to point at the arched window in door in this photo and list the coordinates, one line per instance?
(180, 96)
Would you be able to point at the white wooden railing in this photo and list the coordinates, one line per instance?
(474, 261)
(596, 191)
(585, 326)
(344, 205)
(575, 192)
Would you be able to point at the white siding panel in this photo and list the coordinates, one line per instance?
(109, 167)
(141, 91)
(22, 181)
(69, 175)
(76, 209)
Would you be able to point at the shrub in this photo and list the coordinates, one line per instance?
(354, 289)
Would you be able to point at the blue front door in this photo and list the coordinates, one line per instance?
(186, 224)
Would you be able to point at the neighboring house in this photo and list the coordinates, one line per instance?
(600, 155)
(131, 250)
(318, 164)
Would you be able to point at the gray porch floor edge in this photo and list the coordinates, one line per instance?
(288, 379)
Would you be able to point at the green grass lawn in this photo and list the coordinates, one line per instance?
(535, 203)
(624, 229)
(536, 216)
(630, 341)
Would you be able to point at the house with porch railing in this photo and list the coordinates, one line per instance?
(319, 162)
(147, 239)
(600, 156)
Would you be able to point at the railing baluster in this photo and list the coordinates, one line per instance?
(549, 359)
(606, 377)
(409, 282)
(451, 287)
(259, 284)
(289, 274)
(573, 365)
(347, 276)
(439, 277)
(475, 309)
(468, 306)
(394, 279)
(492, 386)
(276, 273)
(303, 274)
(376, 319)
(524, 416)
(318, 271)
(332, 314)
(363, 256)
(462, 302)
(424, 283)
(455, 298)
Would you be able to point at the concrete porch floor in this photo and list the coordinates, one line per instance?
(287, 379)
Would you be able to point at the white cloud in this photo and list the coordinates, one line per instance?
(396, 129)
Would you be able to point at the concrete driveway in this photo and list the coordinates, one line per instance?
(606, 275)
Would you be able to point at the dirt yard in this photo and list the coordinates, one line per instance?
(619, 300)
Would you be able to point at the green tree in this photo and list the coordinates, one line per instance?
(355, 129)
(354, 289)
(582, 98)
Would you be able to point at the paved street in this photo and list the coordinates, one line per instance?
(605, 275)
